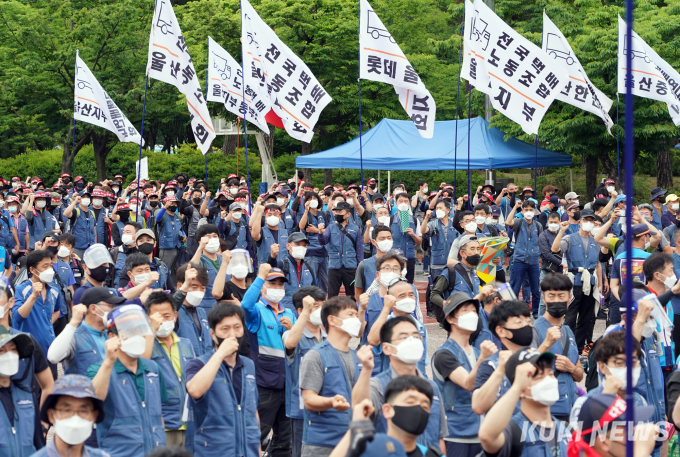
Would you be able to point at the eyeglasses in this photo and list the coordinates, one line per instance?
(402, 338)
(388, 269)
(68, 413)
(474, 250)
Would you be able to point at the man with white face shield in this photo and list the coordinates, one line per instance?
(133, 388)
(381, 240)
(238, 266)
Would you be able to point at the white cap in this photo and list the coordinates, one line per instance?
(97, 255)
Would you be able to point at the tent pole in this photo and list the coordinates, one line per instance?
(389, 185)
(361, 150)
(618, 163)
(379, 185)
(455, 145)
(469, 177)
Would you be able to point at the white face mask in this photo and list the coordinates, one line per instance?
(243, 205)
(440, 214)
(170, 193)
(620, 374)
(468, 321)
(675, 206)
(670, 281)
(233, 191)
(647, 245)
(115, 189)
(397, 192)
(40, 203)
(384, 220)
(141, 278)
(470, 227)
(387, 277)
(15, 185)
(553, 227)
(194, 298)
(133, 208)
(546, 392)
(610, 189)
(126, 239)
(587, 226)
(298, 252)
(351, 325)
(237, 216)
(480, 220)
(490, 220)
(9, 363)
(46, 276)
(410, 350)
(74, 430)
(406, 305)
(34, 187)
(274, 295)
(239, 271)
(529, 215)
(314, 204)
(350, 201)
(3, 311)
(165, 329)
(85, 201)
(13, 209)
(649, 328)
(213, 245)
(385, 245)
(63, 252)
(134, 346)
(315, 317)
(377, 206)
(280, 201)
(402, 206)
(97, 202)
(272, 221)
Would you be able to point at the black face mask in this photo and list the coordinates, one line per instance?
(557, 309)
(411, 419)
(153, 204)
(521, 336)
(145, 248)
(577, 215)
(240, 339)
(124, 216)
(473, 259)
(172, 209)
(372, 186)
(100, 273)
(196, 200)
(53, 249)
(339, 218)
(677, 224)
(223, 203)
(65, 181)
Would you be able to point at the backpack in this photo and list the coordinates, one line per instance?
(21, 277)
(592, 380)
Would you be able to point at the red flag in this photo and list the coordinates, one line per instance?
(274, 119)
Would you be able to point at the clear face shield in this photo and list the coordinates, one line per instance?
(133, 327)
(506, 292)
(240, 264)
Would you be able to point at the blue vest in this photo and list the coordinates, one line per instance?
(175, 385)
(132, 426)
(267, 350)
(440, 243)
(676, 269)
(84, 228)
(293, 394)
(101, 227)
(485, 334)
(671, 231)
(264, 250)
(24, 377)
(326, 428)
(87, 353)
(404, 241)
(566, 384)
(6, 238)
(369, 271)
(341, 251)
(650, 385)
(288, 219)
(38, 229)
(463, 422)
(208, 300)
(505, 383)
(526, 243)
(430, 437)
(17, 441)
(240, 229)
(576, 257)
(93, 451)
(461, 285)
(533, 445)
(169, 228)
(223, 425)
(199, 337)
(21, 230)
(314, 237)
(162, 269)
(656, 219)
(294, 284)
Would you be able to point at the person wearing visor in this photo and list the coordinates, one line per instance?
(83, 222)
(272, 237)
(312, 222)
(97, 264)
(145, 242)
(39, 220)
(442, 235)
(233, 227)
(236, 264)
(192, 320)
(206, 254)
(72, 409)
(294, 266)
(389, 268)
(17, 422)
(133, 388)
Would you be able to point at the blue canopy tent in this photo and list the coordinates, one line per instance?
(397, 145)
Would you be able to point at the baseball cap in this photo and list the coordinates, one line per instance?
(72, 385)
(377, 196)
(456, 300)
(587, 213)
(620, 198)
(465, 239)
(235, 207)
(147, 232)
(524, 355)
(52, 235)
(97, 255)
(94, 295)
(642, 229)
(573, 205)
(343, 205)
(276, 273)
(671, 198)
(571, 195)
(495, 211)
(24, 343)
(555, 200)
(296, 237)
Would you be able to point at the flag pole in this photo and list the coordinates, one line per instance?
(141, 140)
(469, 204)
(536, 168)
(628, 157)
(245, 124)
(73, 151)
(361, 149)
(455, 145)
(207, 67)
(618, 163)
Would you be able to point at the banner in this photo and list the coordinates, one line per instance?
(383, 61)
(652, 76)
(143, 169)
(491, 248)
(169, 61)
(226, 85)
(522, 79)
(578, 91)
(93, 105)
(279, 78)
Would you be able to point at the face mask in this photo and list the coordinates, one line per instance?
(402, 206)
(140, 279)
(100, 273)
(233, 191)
(9, 364)
(385, 245)
(213, 245)
(620, 374)
(521, 336)
(646, 245)
(377, 206)
(339, 218)
(16, 184)
(239, 271)
(397, 192)
(195, 297)
(274, 295)
(440, 214)
(490, 220)
(13, 209)
(298, 252)
(351, 325)
(170, 193)
(272, 221)
(468, 321)
(126, 239)
(280, 201)
(649, 328)
(647, 218)
(411, 419)
(480, 220)
(410, 350)
(350, 201)
(315, 317)
(46, 276)
(85, 202)
(384, 220)
(165, 329)
(553, 227)
(675, 206)
(470, 227)
(610, 189)
(387, 277)
(557, 309)
(134, 346)
(133, 208)
(145, 248)
(670, 281)
(34, 187)
(546, 392)
(41, 204)
(406, 305)
(587, 226)
(529, 215)
(74, 430)
(97, 202)
(115, 189)
(473, 259)
(314, 204)
(63, 252)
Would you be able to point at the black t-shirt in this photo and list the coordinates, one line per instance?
(231, 288)
(445, 363)
(7, 403)
(275, 234)
(415, 453)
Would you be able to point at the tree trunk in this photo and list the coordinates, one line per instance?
(609, 166)
(101, 151)
(591, 163)
(306, 150)
(269, 141)
(229, 145)
(68, 154)
(328, 177)
(664, 168)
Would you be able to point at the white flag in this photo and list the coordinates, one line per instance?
(226, 85)
(93, 105)
(169, 61)
(578, 91)
(383, 61)
(523, 79)
(652, 76)
(277, 75)
(480, 80)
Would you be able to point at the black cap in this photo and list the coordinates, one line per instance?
(587, 213)
(343, 205)
(377, 196)
(296, 237)
(456, 300)
(602, 409)
(51, 234)
(94, 295)
(524, 355)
